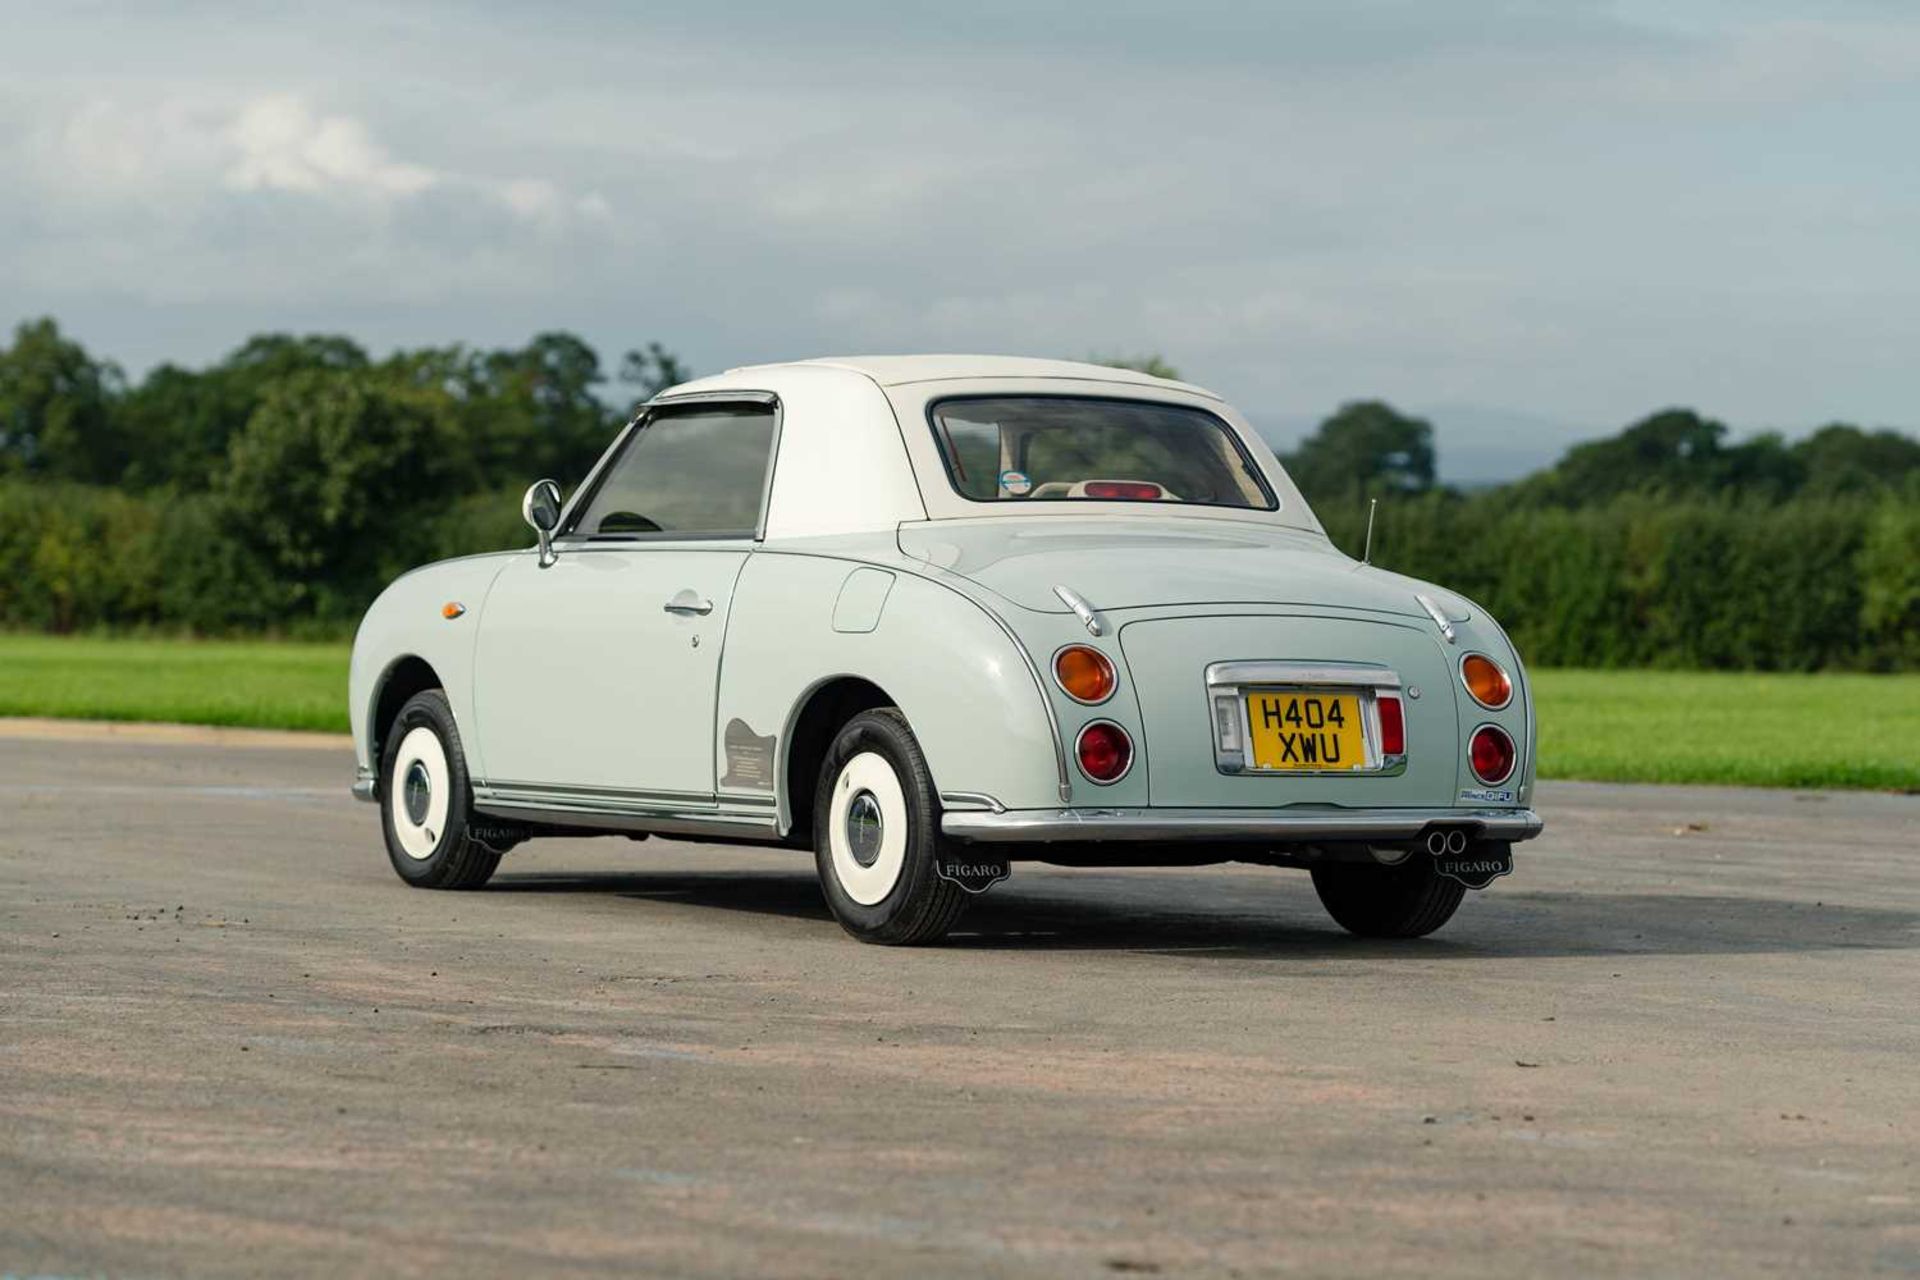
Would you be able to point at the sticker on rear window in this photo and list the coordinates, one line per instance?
(1015, 483)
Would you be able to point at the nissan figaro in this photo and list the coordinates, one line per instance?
(927, 616)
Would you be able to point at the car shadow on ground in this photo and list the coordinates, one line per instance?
(1251, 916)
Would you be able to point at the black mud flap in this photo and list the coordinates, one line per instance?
(972, 870)
(499, 837)
(1478, 865)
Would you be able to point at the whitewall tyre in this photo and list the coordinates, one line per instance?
(426, 801)
(876, 835)
(867, 828)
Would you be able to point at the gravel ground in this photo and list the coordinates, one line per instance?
(1679, 1040)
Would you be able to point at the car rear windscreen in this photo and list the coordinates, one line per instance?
(1086, 449)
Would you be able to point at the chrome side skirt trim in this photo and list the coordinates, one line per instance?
(620, 809)
(743, 826)
(607, 797)
(1301, 825)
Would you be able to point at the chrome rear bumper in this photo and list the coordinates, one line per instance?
(1279, 826)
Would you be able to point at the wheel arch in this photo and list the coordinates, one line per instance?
(404, 677)
(819, 713)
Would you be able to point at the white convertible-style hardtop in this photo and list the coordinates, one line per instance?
(900, 371)
(856, 454)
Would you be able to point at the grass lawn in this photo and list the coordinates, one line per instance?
(1617, 726)
(1748, 728)
(263, 684)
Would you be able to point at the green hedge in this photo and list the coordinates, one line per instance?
(1635, 582)
(1642, 581)
(81, 558)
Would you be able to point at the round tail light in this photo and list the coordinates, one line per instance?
(1486, 680)
(1491, 754)
(1105, 751)
(1085, 673)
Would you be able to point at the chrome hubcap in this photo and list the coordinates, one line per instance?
(865, 827)
(417, 792)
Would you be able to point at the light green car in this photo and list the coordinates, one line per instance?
(927, 616)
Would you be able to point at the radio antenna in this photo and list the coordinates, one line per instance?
(1373, 505)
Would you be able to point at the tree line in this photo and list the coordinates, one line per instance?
(278, 489)
(1662, 545)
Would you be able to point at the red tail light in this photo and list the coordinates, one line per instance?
(1123, 489)
(1105, 751)
(1491, 754)
(1393, 728)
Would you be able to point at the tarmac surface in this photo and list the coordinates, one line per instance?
(1679, 1040)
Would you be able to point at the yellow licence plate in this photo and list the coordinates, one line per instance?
(1298, 730)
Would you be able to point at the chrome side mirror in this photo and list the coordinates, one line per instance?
(541, 509)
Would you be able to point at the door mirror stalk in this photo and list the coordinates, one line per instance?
(541, 509)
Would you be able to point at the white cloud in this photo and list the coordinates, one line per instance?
(283, 145)
(536, 200)
(280, 143)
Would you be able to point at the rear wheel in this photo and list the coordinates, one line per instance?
(425, 800)
(876, 832)
(1410, 900)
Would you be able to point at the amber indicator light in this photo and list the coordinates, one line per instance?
(1085, 673)
(1488, 684)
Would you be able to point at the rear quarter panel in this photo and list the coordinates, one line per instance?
(963, 685)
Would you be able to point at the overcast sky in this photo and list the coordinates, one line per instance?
(1532, 222)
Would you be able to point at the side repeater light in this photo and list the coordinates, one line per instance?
(452, 609)
(1085, 673)
(1486, 680)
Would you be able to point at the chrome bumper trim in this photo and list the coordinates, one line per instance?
(1287, 826)
(363, 786)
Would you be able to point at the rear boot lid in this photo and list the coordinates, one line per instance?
(1188, 764)
(1145, 562)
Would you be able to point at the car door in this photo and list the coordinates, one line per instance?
(598, 672)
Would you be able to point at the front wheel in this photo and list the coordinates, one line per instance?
(876, 833)
(1410, 900)
(425, 800)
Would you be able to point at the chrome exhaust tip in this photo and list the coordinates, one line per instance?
(1436, 843)
(1456, 842)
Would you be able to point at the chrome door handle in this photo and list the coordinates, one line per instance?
(687, 602)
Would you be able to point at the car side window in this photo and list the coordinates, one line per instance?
(699, 470)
